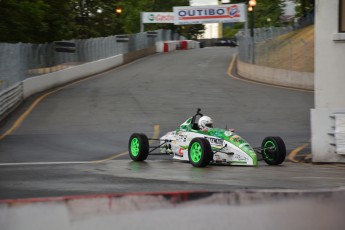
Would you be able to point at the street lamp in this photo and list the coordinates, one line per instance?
(252, 2)
(118, 10)
(251, 5)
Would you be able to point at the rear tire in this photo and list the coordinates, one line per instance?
(273, 150)
(138, 147)
(200, 152)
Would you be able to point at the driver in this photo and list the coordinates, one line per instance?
(205, 123)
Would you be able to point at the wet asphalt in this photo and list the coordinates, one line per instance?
(74, 141)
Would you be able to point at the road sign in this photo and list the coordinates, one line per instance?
(158, 17)
(209, 14)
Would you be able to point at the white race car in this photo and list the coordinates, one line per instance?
(202, 147)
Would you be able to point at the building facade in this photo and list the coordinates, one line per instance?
(328, 116)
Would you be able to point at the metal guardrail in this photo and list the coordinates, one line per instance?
(9, 98)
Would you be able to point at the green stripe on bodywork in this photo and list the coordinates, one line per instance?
(238, 162)
(236, 140)
(226, 135)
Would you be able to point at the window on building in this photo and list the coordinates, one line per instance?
(342, 16)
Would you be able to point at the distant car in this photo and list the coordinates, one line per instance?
(215, 146)
(231, 43)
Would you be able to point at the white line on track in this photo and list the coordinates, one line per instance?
(45, 163)
(156, 131)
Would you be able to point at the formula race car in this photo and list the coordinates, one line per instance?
(201, 147)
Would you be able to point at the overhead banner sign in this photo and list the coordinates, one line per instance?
(209, 14)
(157, 17)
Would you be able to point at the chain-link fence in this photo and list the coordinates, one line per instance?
(278, 48)
(13, 64)
(19, 61)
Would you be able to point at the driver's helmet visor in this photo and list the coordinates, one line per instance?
(210, 125)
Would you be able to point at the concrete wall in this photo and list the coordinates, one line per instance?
(294, 79)
(329, 81)
(43, 82)
(282, 209)
(131, 56)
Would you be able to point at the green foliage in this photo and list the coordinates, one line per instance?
(229, 32)
(38, 21)
(132, 9)
(303, 7)
(34, 20)
(191, 32)
(96, 18)
(266, 12)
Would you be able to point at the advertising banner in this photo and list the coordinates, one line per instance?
(157, 17)
(210, 14)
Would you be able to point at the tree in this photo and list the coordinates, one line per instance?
(133, 8)
(266, 12)
(38, 21)
(59, 21)
(191, 32)
(303, 7)
(96, 18)
(34, 20)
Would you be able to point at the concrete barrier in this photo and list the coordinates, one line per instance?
(43, 82)
(183, 45)
(193, 44)
(281, 77)
(169, 46)
(188, 44)
(131, 56)
(259, 209)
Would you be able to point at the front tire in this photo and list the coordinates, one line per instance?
(138, 147)
(199, 152)
(273, 150)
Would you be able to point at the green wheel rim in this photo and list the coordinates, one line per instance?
(269, 144)
(135, 147)
(195, 152)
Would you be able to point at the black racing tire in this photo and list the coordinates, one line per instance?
(138, 147)
(276, 155)
(200, 152)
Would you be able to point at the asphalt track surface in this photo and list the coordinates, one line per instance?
(74, 141)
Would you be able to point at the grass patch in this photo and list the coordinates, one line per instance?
(292, 51)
